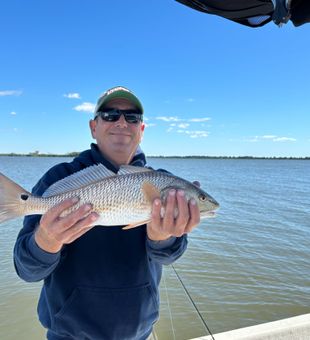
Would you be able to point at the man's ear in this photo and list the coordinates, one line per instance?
(92, 126)
(142, 127)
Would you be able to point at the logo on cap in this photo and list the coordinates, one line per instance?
(115, 89)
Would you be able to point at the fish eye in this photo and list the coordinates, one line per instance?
(24, 197)
(202, 197)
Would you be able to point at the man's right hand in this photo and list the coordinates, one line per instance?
(54, 231)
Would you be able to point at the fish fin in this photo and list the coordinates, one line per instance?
(130, 169)
(150, 192)
(12, 197)
(136, 224)
(79, 179)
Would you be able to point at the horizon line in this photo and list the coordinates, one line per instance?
(75, 153)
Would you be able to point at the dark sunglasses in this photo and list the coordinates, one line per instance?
(113, 115)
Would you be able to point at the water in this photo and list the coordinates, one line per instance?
(249, 265)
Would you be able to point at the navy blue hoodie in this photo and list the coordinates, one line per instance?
(104, 285)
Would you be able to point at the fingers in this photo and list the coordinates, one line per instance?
(183, 216)
(180, 216)
(168, 219)
(194, 216)
(55, 230)
(58, 209)
(75, 216)
(79, 228)
(156, 212)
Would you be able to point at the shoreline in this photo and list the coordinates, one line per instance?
(74, 154)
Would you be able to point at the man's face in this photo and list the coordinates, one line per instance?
(118, 140)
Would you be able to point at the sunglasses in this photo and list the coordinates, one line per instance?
(113, 115)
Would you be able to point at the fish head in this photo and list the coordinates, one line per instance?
(206, 203)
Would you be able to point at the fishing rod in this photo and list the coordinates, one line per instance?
(193, 303)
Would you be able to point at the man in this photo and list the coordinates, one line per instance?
(102, 282)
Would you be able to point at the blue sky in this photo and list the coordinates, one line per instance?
(209, 86)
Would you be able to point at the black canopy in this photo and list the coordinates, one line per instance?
(255, 13)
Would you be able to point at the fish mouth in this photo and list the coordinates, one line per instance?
(208, 214)
(211, 211)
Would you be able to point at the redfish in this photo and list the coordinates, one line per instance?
(124, 198)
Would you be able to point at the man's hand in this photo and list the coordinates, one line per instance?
(55, 231)
(188, 217)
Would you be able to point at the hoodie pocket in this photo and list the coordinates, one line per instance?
(99, 313)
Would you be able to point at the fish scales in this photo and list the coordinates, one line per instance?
(121, 199)
(117, 198)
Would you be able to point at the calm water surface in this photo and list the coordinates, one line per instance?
(250, 264)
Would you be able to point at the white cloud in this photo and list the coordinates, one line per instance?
(85, 107)
(284, 139)
(269, 137)
(198, 120)
(199, 134)
(176, 119)
(149, 125)
(168, 119)
(252, 140)
(176, 126)
(272, 138)
(74, 95)
(13, 113)
(10, 93)
(183, 125)
(195, 134)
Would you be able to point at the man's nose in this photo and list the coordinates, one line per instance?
(121, 122)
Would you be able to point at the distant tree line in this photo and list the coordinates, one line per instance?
(229, 157)
(38, 154)
(76, 153)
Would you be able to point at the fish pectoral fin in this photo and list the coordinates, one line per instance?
(150, 191)
(136, 224)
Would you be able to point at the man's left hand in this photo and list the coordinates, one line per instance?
(162, 227)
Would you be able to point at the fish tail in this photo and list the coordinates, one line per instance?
(12, 199)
